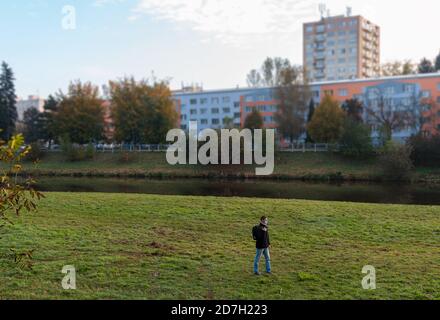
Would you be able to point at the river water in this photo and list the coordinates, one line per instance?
(351, 192)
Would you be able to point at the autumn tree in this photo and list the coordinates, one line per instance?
(271, 72)
(79, 116)
(142, 112)
(393, 68)
(327, 122)
(16, 196)
(408, 68)
(254, 120)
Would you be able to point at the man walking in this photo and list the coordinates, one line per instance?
(261, 236)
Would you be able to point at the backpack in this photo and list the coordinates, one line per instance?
(254, 232)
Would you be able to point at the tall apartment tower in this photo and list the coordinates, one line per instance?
(341, 47)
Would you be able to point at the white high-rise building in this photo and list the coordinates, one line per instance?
(30, 102)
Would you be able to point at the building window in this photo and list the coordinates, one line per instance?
(226, 99)
(343, 92)
(215, 100)
(193, 111)
(203, 111)
(328, 92)
(438, 99)
(408, 88)
(236, 104)
(438, 86)
(309, 29)
(204, 121)
(193, 101)
(249, 99)
(426, 94)
(215, 121)
(226, 110)
(215, 111)
(204, 101)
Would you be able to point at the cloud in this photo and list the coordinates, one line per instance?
(233, 21)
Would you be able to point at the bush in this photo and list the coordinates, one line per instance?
(35, 153)
(75, 152)
(356, 140)
(425, 150)
(395, 160)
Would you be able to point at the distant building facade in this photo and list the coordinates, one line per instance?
(26, 104)
(341, 47)
(210, 108)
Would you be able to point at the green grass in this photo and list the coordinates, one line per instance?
(157, 247)
(305, 166)
(287, 165)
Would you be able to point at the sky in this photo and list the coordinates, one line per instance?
(49, 43)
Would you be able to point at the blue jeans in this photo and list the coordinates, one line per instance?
(266, 254)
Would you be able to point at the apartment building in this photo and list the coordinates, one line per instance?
(418, 93)
(341, 47)
(213, 109)
(26, 104)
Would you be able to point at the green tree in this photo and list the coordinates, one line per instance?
(47, 123)
(32, 122)
(142, 112)
(327, 122)
(8, 109)
(254, 120)
(309, 119)
(356, 139)
(437, 63)
(425, 66)
(354, 110)
(80, 115)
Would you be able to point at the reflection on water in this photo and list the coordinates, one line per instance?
(351, 192)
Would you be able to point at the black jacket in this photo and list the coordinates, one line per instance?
(261, 235)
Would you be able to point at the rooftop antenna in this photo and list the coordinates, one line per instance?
(349, 11)
(322, 9)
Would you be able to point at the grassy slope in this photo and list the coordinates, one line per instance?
(319, 166)
(286, 164)
(141, 246)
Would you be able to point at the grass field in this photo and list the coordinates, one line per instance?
(156, 247)
(305, 166)
(297, 165)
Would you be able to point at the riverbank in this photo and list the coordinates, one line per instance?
(167, 247)
(288, 166)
